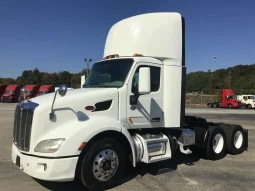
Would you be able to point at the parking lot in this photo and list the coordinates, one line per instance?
(184, 172)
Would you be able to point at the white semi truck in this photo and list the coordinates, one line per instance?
(247, 100)
(130, 109)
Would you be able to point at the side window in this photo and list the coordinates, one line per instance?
(155, 79)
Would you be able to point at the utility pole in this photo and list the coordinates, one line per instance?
(229, 80)
(87, 64)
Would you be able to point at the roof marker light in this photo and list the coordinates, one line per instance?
(111, 56)
(136, 54)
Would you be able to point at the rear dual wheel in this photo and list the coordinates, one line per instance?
(215, 143)
(235, 138)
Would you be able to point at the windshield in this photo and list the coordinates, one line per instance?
(42, 92)
(28, 92)
(231, 97)
(9, 92)
(109, 73)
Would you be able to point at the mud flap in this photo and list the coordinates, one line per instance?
(245, 132)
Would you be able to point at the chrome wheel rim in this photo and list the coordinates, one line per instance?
(238, 139)
(105, 165)
(218, 143)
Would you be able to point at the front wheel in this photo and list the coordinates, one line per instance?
(249, 106)
(103, 165)
(229, 106)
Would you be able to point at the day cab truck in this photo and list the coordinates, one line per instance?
(31, 91)
(229, 99)
(11, 93)
(130, 109)
(2, 89)
(45, 89)
(247, 100)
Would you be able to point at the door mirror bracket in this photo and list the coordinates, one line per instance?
(134, 98)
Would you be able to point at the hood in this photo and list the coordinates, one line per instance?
(88, 95)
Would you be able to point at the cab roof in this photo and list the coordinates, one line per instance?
(157, 35)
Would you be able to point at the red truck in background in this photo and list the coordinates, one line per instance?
(229, 100)
(2, 89)
(45, 89)
(31, 91)
(11, 94)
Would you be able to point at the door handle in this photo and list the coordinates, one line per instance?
(156, 119)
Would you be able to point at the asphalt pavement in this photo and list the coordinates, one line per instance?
(183, 172)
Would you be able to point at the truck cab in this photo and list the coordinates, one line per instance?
(11, 93)
(247, 100)
(229, 99)
(131, 109)
(2, 89)
(30, 91)
(45, 89)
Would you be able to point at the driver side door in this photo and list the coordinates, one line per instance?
(148, 111)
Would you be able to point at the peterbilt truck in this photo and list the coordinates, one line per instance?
(11, 93)
(130, 110)
(30, 91)
(45, 89)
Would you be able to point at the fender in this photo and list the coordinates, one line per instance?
(131, 142)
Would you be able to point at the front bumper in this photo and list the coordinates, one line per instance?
(6, 99)
(57, 169)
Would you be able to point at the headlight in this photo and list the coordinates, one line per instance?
(49, 146)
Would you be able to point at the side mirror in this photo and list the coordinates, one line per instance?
(62, 90)
(144, 86)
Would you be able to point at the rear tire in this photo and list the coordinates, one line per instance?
(103, 165)
(235, 139)
(215, 143)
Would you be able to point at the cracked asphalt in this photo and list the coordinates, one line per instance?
(183, 172)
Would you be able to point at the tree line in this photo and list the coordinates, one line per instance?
(41, 78)
(240, 78)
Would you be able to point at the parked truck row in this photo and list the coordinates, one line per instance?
(11, 93)
(230, 100)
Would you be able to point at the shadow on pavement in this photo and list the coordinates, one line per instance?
(141, 170)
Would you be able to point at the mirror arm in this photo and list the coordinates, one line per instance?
(134, 98)
(52, 114)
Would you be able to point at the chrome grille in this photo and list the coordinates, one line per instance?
(23, 118)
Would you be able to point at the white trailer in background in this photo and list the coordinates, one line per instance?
(83, 80)
(131, 108)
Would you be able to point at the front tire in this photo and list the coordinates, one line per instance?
(249, 106)
(229, 106)
(103, 165)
